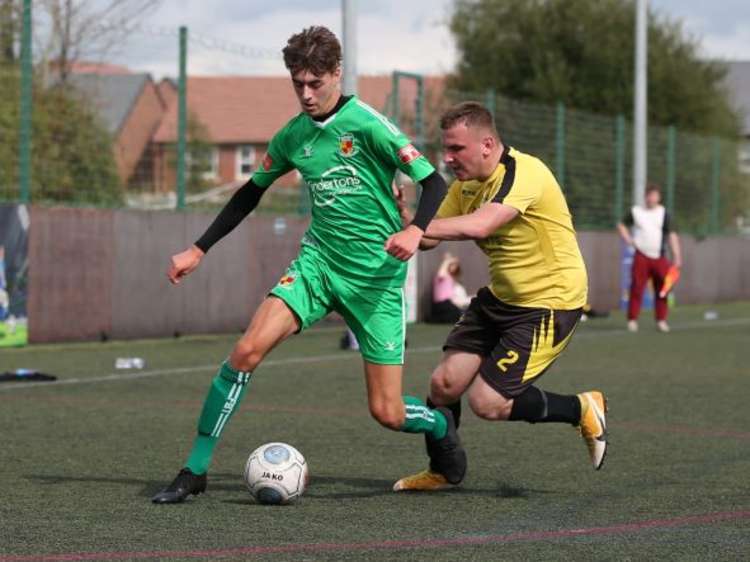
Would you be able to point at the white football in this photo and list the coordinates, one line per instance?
(276, 473)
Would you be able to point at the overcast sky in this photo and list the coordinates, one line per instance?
(407, 35)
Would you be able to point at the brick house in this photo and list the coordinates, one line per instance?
(130, 107)
(240, 115)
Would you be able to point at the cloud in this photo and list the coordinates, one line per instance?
(392, 35)
(722, 33)
(735, 46)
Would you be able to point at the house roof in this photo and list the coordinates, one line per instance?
(111, 95)
(91, 67)
(738, 85)
(250, 109)
(167, 91)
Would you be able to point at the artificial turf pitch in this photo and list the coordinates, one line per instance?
(80, 458)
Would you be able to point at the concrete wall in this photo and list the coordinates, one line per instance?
(71, 266)
(716, 269)
(95, 272)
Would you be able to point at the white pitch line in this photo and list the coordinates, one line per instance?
(329, 357)
(182, 370)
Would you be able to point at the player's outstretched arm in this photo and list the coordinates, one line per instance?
(474, 226)
(184, 263)
(402, 245)
(407, 216)
(244, 200)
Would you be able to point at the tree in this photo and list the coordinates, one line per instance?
(9, 27)
(88, 28)
(581, 53)
(199, 152)
(72, 158)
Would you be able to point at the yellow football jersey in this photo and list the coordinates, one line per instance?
(534, 259)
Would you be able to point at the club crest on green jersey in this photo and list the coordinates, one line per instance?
(287, 279)
(347, 145)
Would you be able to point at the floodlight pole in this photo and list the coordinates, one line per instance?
(25, 132)
(349, 25)
(182, 120)
(640, 119)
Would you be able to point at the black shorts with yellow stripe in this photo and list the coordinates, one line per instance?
(517, 344)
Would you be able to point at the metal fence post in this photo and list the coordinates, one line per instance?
(671, 147)
(619, 166)
(491, 101)
(25, 133)
(715, 179)
(419, 113)
(182, 120)
(560, 144)
(396, 107)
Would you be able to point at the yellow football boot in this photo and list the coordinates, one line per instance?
(423, 481)
(593, 425)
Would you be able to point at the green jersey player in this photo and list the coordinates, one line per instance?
(352, 258)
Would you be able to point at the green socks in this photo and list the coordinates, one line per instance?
(227, 390)
(224, 396)
(421, 419)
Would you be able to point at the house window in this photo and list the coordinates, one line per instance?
(204, 163)
(213, 171)
(245, 160)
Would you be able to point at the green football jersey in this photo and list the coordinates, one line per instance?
(348, 163)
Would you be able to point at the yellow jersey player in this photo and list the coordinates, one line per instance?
(514, 329)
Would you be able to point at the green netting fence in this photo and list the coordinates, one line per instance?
(74, 160)
(591, 155)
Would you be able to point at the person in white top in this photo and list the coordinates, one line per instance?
(648, 229)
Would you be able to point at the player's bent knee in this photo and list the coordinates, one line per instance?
(390, 418)
(246, 356)
(481, 409)
(494, 408)
(442, 388)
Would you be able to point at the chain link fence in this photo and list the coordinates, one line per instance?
(104, 135)
(591, 155)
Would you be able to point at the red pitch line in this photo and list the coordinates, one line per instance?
(393, 545)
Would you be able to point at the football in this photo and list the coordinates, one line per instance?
(276, 474)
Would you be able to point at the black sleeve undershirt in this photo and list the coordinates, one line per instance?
(433, 192)
(244, 200)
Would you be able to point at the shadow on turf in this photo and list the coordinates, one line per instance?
(364, 487)
(371, 488)
(149, 487)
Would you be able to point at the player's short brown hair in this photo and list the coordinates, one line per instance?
(315, 49)
(653, 187)
(471, 114)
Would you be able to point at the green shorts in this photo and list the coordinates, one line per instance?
(376, 315)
